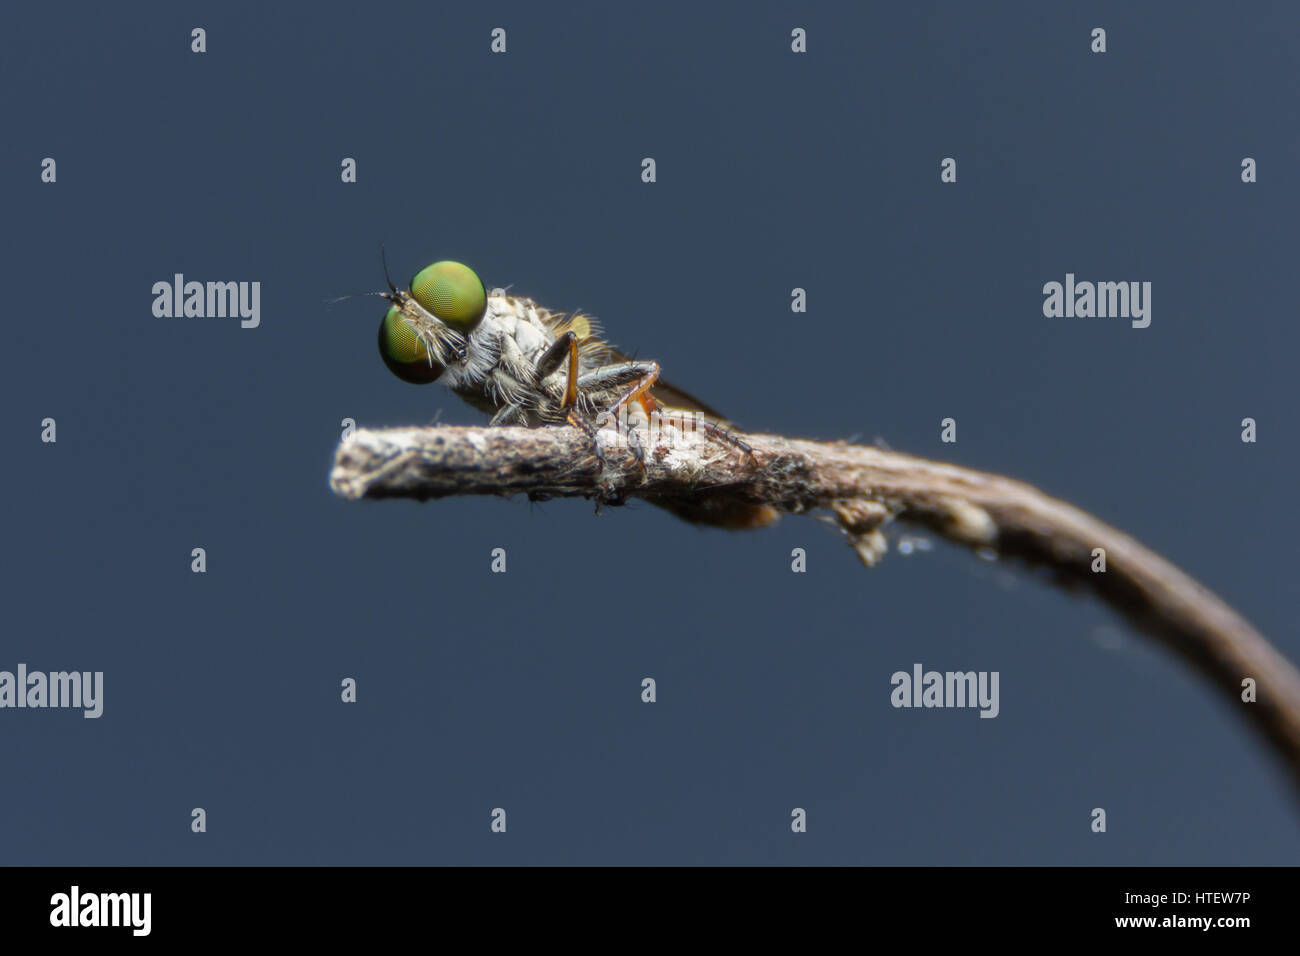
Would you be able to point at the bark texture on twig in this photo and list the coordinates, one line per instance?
(862, 488)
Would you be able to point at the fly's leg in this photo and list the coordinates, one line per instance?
(732, 440)
(508, 415)
(681, 418)
(640, 393)
(720, 433)
(608, 377)
(590, 431)
(648, 374)
(644, 375)
(638, 450)
(566, 346)
(615, 376)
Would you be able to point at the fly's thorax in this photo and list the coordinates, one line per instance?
(525, 323)
(500, 354)
(500, 371)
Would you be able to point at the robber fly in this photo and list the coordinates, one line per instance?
(525, 365)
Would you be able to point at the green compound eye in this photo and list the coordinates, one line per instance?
(452, 292)
(403, 352)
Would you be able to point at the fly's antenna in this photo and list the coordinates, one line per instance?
(354, 295)
(383, 256)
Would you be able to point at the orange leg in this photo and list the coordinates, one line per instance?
(640, 393)
(571, 386)
(682, 418)
(586, 428)
(566, 346)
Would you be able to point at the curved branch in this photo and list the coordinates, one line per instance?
(863, 488)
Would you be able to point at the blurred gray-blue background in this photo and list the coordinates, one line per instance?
(522, 690)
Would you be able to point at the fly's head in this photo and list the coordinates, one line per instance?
(427, 326)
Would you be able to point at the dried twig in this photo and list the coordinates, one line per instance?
(862, 488)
